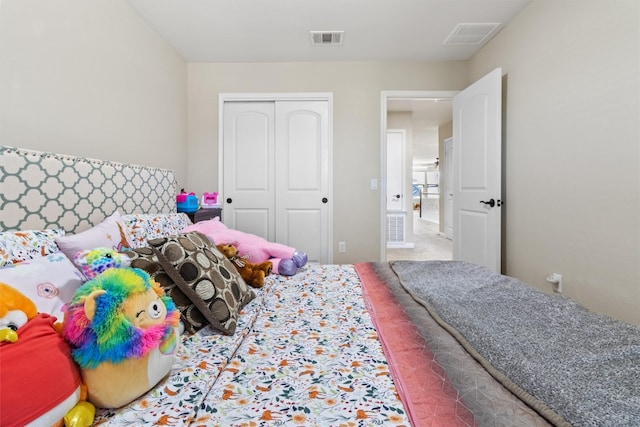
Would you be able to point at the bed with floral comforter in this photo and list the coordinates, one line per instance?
(305, 352)
(333, 345)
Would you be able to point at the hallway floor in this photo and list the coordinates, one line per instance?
(429, 244)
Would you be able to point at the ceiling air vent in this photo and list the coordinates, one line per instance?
(326, 38)
(471, 33)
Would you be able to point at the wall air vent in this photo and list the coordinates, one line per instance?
(395, 229)
(326, 38)
(471, 33)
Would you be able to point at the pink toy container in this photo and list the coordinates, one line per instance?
(210, 200)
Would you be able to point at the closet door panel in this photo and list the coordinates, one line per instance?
(303, 144)
(303, 229)
(302, 203)
(249, 189)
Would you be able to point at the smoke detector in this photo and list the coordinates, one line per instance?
(471, 33)
(326, 38)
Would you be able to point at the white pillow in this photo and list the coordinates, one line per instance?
(143, 227)
(49, 281)
(16, 246)
(110, 233)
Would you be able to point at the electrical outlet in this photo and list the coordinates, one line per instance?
(342, 247)
(556, 280)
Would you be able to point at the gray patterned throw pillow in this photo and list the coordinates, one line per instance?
(202, 282)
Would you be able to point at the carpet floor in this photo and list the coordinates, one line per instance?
(429, 243)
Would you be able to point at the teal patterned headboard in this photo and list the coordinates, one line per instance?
(44, 190)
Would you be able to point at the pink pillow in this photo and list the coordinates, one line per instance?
(110, 233)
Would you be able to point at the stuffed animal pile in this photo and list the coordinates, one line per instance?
(40, 383)
(253, 274)
(255, 249)
(119, 335)
(118, 339)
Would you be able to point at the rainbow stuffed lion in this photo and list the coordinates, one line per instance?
(123, 331)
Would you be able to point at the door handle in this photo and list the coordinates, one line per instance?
(491, 202)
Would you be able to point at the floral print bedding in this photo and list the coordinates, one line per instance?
(17, 246)
(305, 353)
(143, 227)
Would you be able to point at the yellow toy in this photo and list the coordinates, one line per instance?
(41, 385)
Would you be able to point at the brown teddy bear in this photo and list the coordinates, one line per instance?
(253, 274)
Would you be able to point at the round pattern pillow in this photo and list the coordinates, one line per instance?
(203, 283)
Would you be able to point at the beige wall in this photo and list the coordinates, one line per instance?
(89, 78)
(356, 88)
(572, 148)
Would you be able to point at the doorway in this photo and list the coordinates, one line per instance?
(477, 166)
(426, 118)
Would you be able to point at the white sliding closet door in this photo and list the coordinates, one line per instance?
(302, 176)
(276, 172)
(249, 160)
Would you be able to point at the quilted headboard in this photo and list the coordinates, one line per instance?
(41, 190)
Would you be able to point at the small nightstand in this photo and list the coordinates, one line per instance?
(205, 214)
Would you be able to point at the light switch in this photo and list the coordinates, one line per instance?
(374, 183)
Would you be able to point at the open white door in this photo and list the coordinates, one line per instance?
(477, 165)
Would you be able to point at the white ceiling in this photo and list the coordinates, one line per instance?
(374, 30)
(278, 30)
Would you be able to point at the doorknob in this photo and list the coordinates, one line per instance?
(325, 200)
(229, 200)
(491, 202)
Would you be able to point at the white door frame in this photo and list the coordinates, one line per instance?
(448, 190)
(286, 96)
(385, 96)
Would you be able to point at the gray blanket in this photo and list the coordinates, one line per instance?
(565, 361)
